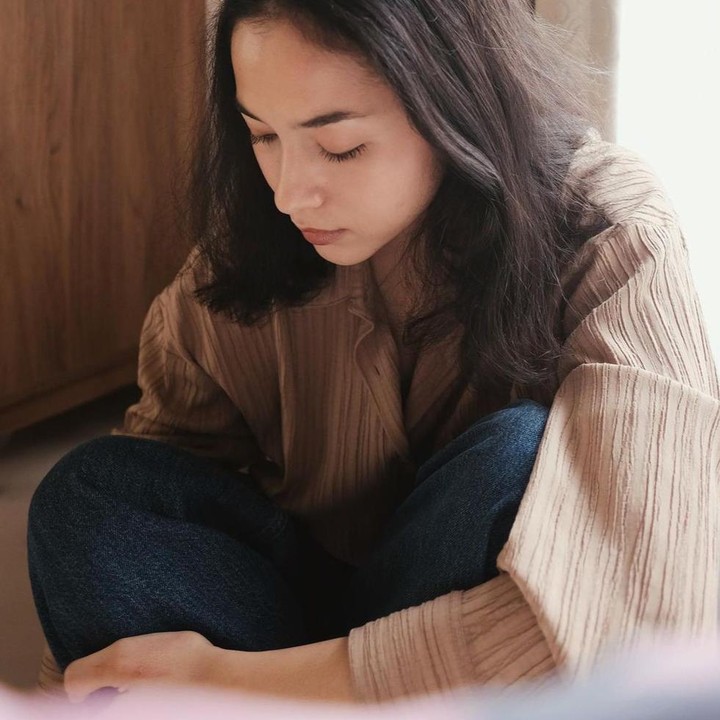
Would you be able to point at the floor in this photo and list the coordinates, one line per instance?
(25, 458)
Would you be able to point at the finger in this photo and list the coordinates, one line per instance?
(89, 674)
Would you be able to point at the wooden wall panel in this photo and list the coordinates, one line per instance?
(35, 54)
(98, 105)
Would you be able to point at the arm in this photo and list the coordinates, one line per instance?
(319, 671)
(617, 534)
(633, 490)
(181, 403)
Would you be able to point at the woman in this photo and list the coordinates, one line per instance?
(464, 431)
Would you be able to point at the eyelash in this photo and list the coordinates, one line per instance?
(332, 157)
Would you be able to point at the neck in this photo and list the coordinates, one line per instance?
(387, 263)
(393, 274)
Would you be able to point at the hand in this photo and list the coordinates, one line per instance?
(165, 657)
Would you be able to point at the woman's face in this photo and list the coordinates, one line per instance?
(389, 173)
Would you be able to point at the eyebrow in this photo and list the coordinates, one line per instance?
(330, 118)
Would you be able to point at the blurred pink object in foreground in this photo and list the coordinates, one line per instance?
(179, 703)
(663, 679)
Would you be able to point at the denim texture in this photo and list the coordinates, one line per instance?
(128, 536)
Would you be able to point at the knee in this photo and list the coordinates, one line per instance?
(68, 481)
(524, 420)
(509, 436)
(514, 431)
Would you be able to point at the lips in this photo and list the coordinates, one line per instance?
(321, 237)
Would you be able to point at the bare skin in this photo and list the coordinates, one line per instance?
(318, 671)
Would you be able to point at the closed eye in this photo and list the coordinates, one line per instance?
(332, 157)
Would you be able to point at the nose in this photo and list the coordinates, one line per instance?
(297, 188)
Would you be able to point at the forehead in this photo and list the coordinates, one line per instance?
(273, 60)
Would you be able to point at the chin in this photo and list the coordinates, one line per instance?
(343, 256)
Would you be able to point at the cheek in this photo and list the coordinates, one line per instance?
(423, 183)
(416, 161)
(406, 185)
(267, 168)
(384, 183)
(429, 171)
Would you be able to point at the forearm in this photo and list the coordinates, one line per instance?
(319, 671)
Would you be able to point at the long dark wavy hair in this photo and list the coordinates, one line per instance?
(485, 84)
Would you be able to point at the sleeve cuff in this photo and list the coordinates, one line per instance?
(415, 651)
(485, 635)
(504, 639)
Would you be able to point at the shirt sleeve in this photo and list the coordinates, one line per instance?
(181, 403)
(617, 533)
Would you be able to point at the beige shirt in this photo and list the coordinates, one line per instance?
(617, 534)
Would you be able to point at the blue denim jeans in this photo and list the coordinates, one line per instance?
(128, 536)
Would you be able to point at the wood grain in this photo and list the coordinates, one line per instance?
(99, 102)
